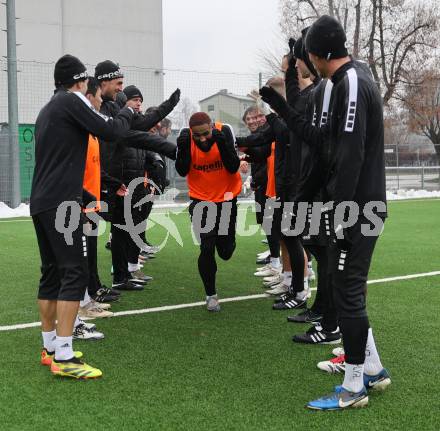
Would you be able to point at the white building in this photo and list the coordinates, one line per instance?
(128, 32)
(227, 108)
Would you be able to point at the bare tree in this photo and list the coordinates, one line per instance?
(423, 105)
(391, 35)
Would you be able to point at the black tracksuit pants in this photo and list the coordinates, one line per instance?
(349, 273)
(220, 237)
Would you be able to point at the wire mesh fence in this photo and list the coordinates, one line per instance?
(225, 96)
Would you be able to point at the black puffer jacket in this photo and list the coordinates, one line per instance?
(140, 124)
(131, 154)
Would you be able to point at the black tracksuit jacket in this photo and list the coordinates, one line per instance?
(353, 137)
(61, 139)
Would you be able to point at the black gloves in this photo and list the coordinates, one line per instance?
(270, 118)
(174, 98)
(240, 142)
(121, 99)
(292, 42)
(184, 140)
(218, 137)
(274, 100)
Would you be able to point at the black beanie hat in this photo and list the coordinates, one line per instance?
(305, 54)
(68, 70)
(298, 49)
(107, 70)
(131, 91)
(326, 38)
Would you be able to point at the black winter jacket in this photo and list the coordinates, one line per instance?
(61, 139)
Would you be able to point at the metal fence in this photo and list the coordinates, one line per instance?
(408, 166)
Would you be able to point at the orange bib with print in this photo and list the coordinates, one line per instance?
(92, 173)
(270, 188)
(208, 179)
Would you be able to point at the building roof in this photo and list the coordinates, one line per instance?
(225, 93)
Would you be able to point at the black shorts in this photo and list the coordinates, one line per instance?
(64, 268)
(213, 218)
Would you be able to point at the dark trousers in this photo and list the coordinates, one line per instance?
(148, 208)
(140, 215)
(92, 258)
(64, 268)
(218, 238)
(324, 303)
(120, 242)
(349, 273)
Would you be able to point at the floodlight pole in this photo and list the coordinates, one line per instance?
(14, 150)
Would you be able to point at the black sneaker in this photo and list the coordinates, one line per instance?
(317, 335)
(103, 295)
(139, 277)
(127, 285)
(264, 261)
(110, 291)
(307, 316)
(289, 301)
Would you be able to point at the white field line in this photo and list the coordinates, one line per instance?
(233, 299)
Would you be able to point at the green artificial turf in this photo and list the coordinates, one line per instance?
(235, 370)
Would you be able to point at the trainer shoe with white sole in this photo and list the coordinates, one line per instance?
(127, 285)
(289, 301)
(212, 303)
(334, 365)
(278, 289)
(340, 399)
(138, 277)
(92, 310)
(89, 325)
(103, 296)
(378, 382)
(81, 332)
(263, 255)
(338, 351)
(317, 335)
(270, 271)
(274, 278)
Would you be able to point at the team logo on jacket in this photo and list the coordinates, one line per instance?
(211, 167)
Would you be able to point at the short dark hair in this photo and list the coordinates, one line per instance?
(166, 122)
(198, 119)
(92, 86)
(252, 108)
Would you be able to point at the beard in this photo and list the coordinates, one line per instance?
(205, 146)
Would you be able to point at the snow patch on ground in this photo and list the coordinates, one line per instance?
(23, 209)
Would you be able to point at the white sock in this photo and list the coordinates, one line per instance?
(354, 377)
(63, 348)
(86, 299)
(49, 340)
(373, 365)
(305, 292)
(132, 267)
(275, 262)
(287, 278)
